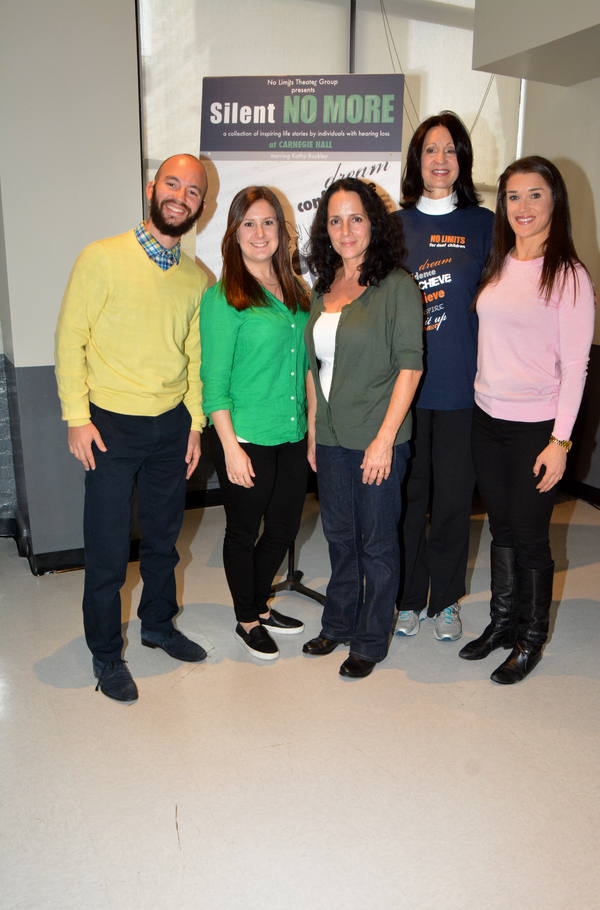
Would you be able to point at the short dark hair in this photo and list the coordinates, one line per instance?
(412, 182)
(560, 255)
(243, 290)
(386, 250)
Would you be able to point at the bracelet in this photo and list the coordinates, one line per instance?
(563, 443)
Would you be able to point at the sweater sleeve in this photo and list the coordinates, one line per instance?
(87, 291)
(408, 326)
(219, 325)
(576, 331)
(193, 397)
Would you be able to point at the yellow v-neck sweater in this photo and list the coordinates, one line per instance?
(128, 334)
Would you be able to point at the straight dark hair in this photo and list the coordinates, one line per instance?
(242, 289)
(386, 250)
(560, 256)
(412, 181)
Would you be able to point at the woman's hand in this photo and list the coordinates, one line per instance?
(239, 467)
(311, 454)
(554, 458)
(377, 463)
(237, 463)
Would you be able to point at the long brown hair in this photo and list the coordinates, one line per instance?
(560, 256)
(242, 289)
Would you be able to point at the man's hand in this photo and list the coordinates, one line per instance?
(80, 444)
(192, 456)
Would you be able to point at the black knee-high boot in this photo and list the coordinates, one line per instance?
(535, 598)
(502, 630)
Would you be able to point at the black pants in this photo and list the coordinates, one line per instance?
(150, 451)
(442, 465)
(504, 453)
(278, 494)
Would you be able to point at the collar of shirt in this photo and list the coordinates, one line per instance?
(155, 251)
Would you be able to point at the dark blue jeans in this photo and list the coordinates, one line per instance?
(360, 522)
(149, 451)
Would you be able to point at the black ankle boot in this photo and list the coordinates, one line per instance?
(535, 599)
(502, 630)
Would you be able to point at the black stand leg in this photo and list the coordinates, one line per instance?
(293, 582)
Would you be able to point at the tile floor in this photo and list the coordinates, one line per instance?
(240, 784)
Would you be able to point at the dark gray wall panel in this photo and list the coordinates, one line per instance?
(49, 479)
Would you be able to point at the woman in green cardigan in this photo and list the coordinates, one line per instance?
(364, 341)
(253, 375)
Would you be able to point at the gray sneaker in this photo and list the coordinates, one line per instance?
(408, 621)
(447, 624)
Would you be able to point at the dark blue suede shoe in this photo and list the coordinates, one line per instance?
(115, 680)
(175, 644)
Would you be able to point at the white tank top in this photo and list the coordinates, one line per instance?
(324, 333)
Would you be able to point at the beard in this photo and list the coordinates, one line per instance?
(169, 228)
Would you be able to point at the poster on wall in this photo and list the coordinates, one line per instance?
(296, 135)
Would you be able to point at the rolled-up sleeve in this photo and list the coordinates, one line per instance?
(219, 327)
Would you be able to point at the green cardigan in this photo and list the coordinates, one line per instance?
(379, 334)
(254, 365)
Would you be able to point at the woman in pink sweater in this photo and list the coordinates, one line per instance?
(536, 321)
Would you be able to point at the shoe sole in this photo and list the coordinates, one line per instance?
(422, 618)
(354, 678)
(325, 653)
(446, 637)
(120, 701)
(187, 660)
(277, 630)
(260, 654)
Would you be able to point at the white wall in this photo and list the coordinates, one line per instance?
(434, 41)
(69, 152)
(435, 47)
(563, 124)
(508, 27)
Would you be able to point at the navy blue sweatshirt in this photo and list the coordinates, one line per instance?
(446, 255)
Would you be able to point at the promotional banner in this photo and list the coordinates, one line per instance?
(296, 135)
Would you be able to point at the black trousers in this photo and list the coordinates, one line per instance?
(504, 453)
(149, 451)
(277, 497)
(441, 465)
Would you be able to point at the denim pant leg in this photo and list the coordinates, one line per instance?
(107, 530)
(344, 595)
(161, 488)
(360, 523)
(379, 509)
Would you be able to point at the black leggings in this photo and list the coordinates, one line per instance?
(278, 495)
(504, 453)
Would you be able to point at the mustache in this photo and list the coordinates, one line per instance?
(175, 202)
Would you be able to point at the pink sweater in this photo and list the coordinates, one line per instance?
(532, 355)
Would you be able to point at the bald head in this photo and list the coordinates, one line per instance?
(176, 198)
(184, 161)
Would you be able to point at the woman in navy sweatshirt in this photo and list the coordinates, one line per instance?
(448, 235)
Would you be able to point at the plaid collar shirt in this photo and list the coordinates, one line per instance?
(156, 251)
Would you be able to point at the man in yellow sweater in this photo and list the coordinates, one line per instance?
(127, 367)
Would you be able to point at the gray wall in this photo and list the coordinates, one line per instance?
(70, 172)
(563, 124)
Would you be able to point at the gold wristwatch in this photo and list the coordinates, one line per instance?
(563, 443)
